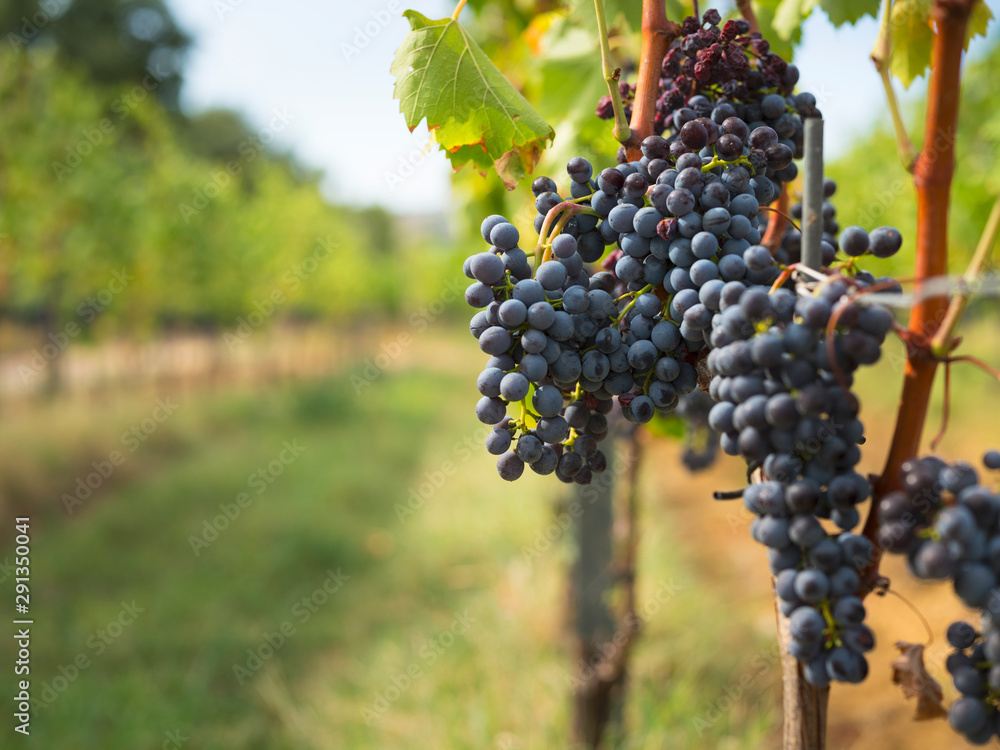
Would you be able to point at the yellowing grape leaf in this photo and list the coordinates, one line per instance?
(766, 11)
(980, 18)
(632, 12)
(474, 113)
(912, 38)
(849, 11)
(790, 14)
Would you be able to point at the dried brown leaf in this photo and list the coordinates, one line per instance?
(909, 673)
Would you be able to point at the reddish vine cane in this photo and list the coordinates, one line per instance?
(932, 177)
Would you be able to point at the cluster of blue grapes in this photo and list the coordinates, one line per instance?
(694, 228)
(825, 615)
(782, 384)
(534, 326)
(974, 666)
(947, 523)
(556, 332)
(948, 526)
(784, 404)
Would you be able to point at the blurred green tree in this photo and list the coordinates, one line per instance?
(114, 41)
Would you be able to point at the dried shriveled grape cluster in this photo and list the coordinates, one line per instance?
(719, 86)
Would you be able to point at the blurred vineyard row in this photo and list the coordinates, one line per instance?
(120, 215)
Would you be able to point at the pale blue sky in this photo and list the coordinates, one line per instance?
(258, 56)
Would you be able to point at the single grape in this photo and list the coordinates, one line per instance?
(509, 466)
(967, 715)
(854, 241)
(547, 401)
(498, 441)
(488, 382)
(885, 242)
(505, 236)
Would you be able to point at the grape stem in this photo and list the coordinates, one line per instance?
(525, 411)
(727, 494)
(942, 343)
(831, 624)
(621, 130)
(831, 341)
(556, 230)
(881, 57)
(783, 214)
(543, 249)
(718, 162)
(461, 4)
(796, 268)
(631, 304)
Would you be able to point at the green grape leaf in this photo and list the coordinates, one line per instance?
(631, 11)
(666, 426)
(474, 154)
(912, 38)
(849, 11)
(766, 11)
(444, 77)
(978, 21)
(790, 14)
(677, 10)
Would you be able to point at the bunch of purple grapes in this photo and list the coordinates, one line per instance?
(947, 522)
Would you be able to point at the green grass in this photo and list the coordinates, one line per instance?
(702, 675)
(501, 683)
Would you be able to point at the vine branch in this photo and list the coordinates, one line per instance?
(932, 177)
(657, 35)
(621, 130)
(881, 57)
